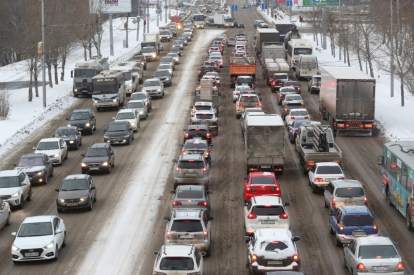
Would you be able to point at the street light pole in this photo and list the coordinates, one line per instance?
(392, 51)
(43, 54)
(339, 29)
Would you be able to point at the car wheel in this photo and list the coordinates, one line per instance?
(56, 254)
(175, 185)
(90, 207)
(80, 143)
(21, 205)
(77, 146)
(59, 210)
(8, 220)
(331, 230)
(345, 266)
(95, 198)
(109, 169)
(66, 157)
(29, 196)
(338, 243)
(51, 173)
(91, 131)
(388, 197)
(113, 164)
(292, 141)
(64, 241)
(408, 219)
(129, 141)
(326, 206)
(314, 189)
(16, 262)
(310, 183)
(46, 179)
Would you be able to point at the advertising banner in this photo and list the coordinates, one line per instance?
(110, 6)
(310, 3)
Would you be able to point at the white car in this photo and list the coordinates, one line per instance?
(272, 250)
(373, 255)
(39, 238)
(55, 148)
(292, 98)
(175, 56)
(4, 214)
(178, 260)
(15, 188)
(322, 173)
(238, 89)
(215, 75)
(265, 212)
(154, 87)
(130, 115)
(297, 114)
(202, 106)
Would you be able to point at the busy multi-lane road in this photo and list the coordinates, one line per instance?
(126, 225)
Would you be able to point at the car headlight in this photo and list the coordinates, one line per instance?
(154, 55)
(61, 199)
(56, 155)
(127, 136)
(15, 248)
(129, 84)
(69, 125)
(105, 163)
(15, 194)
(132, 123)
(71, 141)
(84, 198)
(83, 164)
(87, 124)
(39, 173)
(75, 90)
(49, 246)
(159, 90)
(115, 100)
(95, 101)
(141, 112)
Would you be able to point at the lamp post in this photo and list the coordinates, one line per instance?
(392, 51)
(43, 54)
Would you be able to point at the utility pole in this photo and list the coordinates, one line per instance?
(138, 19)
(158, 13)
(339, 29)
(99, 33)
(111, 36)
(165, 8)
(43, 54)
(392, 51)
(324, 28)
(126, 42)
(290, 14)
(148, 16)
(169, 8)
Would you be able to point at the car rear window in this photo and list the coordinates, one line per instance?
(138, 96)
(190, 194)
(377, 252)
(186, 226)
(273, 246)
(288, 90)
(202, 108)
(204, 116)
(293, 97)
(183, 164)
(299, 113)
(358, 220)
(262, 180)
(195, 146)
(350, 192)
(177, 263)
(329, 170)
(249, 99)
(268, 210)
(197, 131)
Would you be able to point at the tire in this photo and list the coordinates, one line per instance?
(331, 231)
(314, 190)
(175, 186)
(77, 146)
(91, 131)
(109, 169)
(21, 205)
(59, 210)
(56, 254)
(326, 206)
(8, 220)
(129, 141)
(51, 174)
(90, 207)
(29, 196)
(66, 157)
(46, 179)
(408, 219)
(388, 197)
(338, 243)
(208, 251)
(64, 241)
(94, 198)
(345, 266)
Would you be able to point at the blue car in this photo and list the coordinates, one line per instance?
(349, 222)
(293, 129)
(71, 135)
(238, 24)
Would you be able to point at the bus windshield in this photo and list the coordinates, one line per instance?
(105, 86)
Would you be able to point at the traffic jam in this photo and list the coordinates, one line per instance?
(272, 246)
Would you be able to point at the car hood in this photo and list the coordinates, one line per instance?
(9, 191)
(65, 138)
(78, 122)
(129, 120)
(117, 134)
(30, 169)
(95, 159)
(33, 242)
(76, 194)
(48, 152)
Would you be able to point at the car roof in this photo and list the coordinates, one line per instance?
(251, 94)
(76, 176)
(299, 109)
(262, 174)
(326, 164)
(191, 157)
(49, 139)
(67, 128)
(33, 155)
(81, 110)
(374, 241)
(202, 103)
(245, 76)
(162, 70)
(195, 141)
(126, 111)
(204, 112)
(152, 79)
(136, 93)
(197, 126)
(119, 121)
(346, 183)
(267, 200)
(38, 219)
(271, 234)
(135, 101)
(187, 213)
(355, 209)
(177, 250)
(9, 173)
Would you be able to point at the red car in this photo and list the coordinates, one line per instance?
(261, 184)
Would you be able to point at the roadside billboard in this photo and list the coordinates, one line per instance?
(110, 6)
(309, 3)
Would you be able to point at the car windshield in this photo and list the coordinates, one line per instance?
(358, 220)
(164, 67)
(317, 79)
(377, 252)
(299, 113)
(138, 97)
(128, 115)
(197, 131)
(204, 116)
(215, 57)
(350, 192)
(329, 170)
(151, 83)
(177, 263)
(288, 90)
(172, 55)
(239, 55)
(164, 32)
(309, 65)
(28, 162)
(249, 99)
(275, 246)
(35, 229)
(298, 124)
(85, 72)
(275, 210)
(139, 57)
(190, 164)
(202, 108)
(161, 73)
(190, 194)
(49, 145)
(74, 184)
(175, 48)
(167, 59)
(7, 182)
(244, 80)
(186, 226)
(79, 116)
(132, 105)
(262, 180)
(65, 132)
(148, 49)
(293, 97)
(96, 152)
(117, 127)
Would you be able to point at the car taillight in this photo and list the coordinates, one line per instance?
(306, 117)
(333, 202)
(239, 104)
(202, 203)
(251, 216)
(206, 154)
(274, 83)
(199, 72)
(254, 258)
(177, 169)
(313, 83)
(318, 179)
(360, 267)
(341, 227)
(284, 216)
(185, 153)
(203, 169)
(208, 135)
(280, 95)
(341, 178)
(301, 103)
(340, 125)
(365, 200)
(286, 110)
(296, 258)
(176, 203)
(310, 163)
(292, 117)
(205, 233)
(186, 135)
(374, 226)
(168, 234)
(258, 104)
(298, 88)
(400, 267)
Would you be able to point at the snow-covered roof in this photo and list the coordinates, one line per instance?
(38, 219)
(345, 73)
(374, 241)
(407, 158)
(267, 200)
(267, 30)
(176, 250)
(49, 139)
(9, 173)
(264, 120)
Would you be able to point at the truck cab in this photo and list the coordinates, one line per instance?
(84, 72)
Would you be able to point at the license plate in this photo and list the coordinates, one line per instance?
(380, 268)
(274, 262)
(329, 180)
(187, 237)
(268, 222)
(84, 91)
(31, 254)
(94, 168)
(72, 204)
(265, 167)
(359, 233)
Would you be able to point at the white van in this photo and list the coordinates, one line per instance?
(307, 67)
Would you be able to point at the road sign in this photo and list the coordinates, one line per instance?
(249, 6)
(234, 8)
(289, 3)
(264, 6)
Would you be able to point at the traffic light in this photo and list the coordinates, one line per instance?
(145, 22)
(301, 18)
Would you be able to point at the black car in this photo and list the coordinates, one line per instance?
(76, 191)
(119, 132)
(195, 146)
(70, 135)
(175, 49)
(294, 84)
(214, 64)
(205, 69)
(99, 157)
(249, 80)
(197, 131)
(84, 119)
(278, 81)
(38, 167)
(283, 91)
(173, 30)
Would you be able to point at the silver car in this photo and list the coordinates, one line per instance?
(188, 226)
(179, 43)
(144, 96)
(175, 56)
(153, 87)
(187, 35)
(372, 255)
(166, 67)
(184, 40)
(191, 169)
(191, 196)
(164, 76)
(344, 193)
(168, 60)
(140, 107)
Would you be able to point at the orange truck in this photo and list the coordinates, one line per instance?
(241, 66)
(176, 19)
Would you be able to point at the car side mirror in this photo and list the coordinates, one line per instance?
(209, 192)
(113, 117)
(203, 254)
(57, 189)
(58, 232)
(93, 188)
(14, 164)
(211, 145)
(346, 245)
(167, 219)
(246, 239)
(34, 148)
(331, 214)
(243, 204)
(184, 130)
(13, 233)
(155, 252)
(67, 118)
(295, 239)
(380, 160)
(78, 133)
(47, 162)
(210, 218)
(174, 160)
(286, 204)
(172, 192)
(82, 155)
(260, 98)
(110, 154)
(244, 179)
(279, 179)
(395, 244)
(181, 145)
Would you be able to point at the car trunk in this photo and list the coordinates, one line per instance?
(268, 217)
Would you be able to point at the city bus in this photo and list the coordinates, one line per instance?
(295, 48)
(108, 90)
(397, 162)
